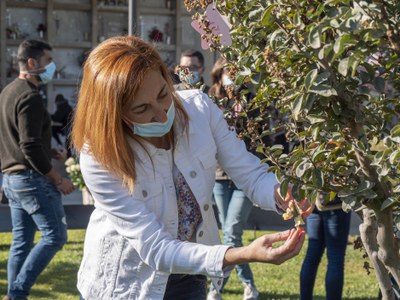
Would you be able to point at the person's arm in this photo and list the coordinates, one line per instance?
(63, 184)
(245, 169)
(262, 250)
(30, 115)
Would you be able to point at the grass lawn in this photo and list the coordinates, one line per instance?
(58, 281)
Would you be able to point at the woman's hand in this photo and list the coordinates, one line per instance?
(262, 250)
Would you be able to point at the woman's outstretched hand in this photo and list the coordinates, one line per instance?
(263, 250)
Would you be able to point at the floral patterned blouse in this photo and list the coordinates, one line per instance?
(188, 210)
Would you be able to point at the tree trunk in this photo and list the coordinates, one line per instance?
(388, 246)
(368, 232)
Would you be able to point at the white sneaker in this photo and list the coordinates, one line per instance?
(213, 295)
(250, 292)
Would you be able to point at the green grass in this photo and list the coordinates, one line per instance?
(58, 281)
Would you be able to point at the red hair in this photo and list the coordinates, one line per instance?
(112, 74)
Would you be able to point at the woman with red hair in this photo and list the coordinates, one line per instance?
(148, 156)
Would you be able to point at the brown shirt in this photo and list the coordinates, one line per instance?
(25, 128)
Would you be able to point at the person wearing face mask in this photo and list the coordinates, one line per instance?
(232, 204)
(148, 156)
(32, 185)
(193, 60)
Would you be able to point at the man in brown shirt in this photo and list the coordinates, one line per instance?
(30, 182)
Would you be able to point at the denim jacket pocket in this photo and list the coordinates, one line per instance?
(147, 191)
(208, 158)
(150, 193)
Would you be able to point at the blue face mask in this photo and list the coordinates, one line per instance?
(48, 74)
(156, 129)
(188, 79)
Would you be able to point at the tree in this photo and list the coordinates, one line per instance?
(332, 67)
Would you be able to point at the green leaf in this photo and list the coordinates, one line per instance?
(314, 119)
(318, 155)
(393, 157)
(309, 102)
(284, 186)
(379, 84)
(297, 106)
(302, 168)
(344, 66)
(266, 18)
(323, 90)
(318, 178)
(314, 37)
(340, 44)
(310, 78)
(395, 131)
(336, 107)
(389, 202)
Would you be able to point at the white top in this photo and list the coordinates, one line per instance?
(130, 245)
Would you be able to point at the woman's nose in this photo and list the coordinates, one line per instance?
(161, 115)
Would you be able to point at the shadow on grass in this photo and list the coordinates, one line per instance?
(61, 276)
(5, 247)
(272, 296)
(3, 289)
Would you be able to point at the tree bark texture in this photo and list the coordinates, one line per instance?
(368, 233)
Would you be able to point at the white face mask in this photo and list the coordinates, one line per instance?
(226, 80)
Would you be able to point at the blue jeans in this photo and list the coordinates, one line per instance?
(35, 202)
(330, 230)
(186, 287)
(233, 210)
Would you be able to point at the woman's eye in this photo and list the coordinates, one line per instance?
(140, 109)
(163, 96)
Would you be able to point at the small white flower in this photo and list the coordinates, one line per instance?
(68, 169)
(70, 161)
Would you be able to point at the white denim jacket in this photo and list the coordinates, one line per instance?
(131, 246)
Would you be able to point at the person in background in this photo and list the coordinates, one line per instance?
(194, 61)
(233, 205)
(327, 228)
(148, 155)
(32, 185)
(62, 118)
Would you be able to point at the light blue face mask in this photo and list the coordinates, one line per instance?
(188, 79)
(48, 74)
(156, 129)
